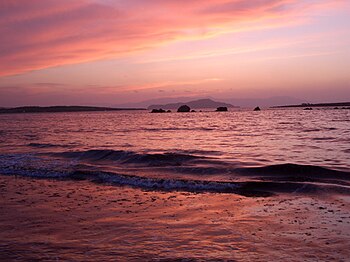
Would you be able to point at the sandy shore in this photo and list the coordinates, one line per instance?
(80, 221)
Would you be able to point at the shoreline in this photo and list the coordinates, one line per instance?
(78, 220)
(341, 104)
(62, 109)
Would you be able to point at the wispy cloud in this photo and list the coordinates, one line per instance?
(301, 55)
(38, 34)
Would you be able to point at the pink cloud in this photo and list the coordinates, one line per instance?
(39, 34)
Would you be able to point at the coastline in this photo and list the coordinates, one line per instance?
(62, 109)
(78, 220)
(342, 104)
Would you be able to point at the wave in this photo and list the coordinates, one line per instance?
(323, 138)
(198, 152)
(248, 188)
(295, 171)
(41, 145)
(179, 129)
(197, 164)
(312, 130)
(48, 145)
(110, 178)
(129, 157)
(225, 178)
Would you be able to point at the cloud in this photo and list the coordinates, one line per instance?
(39, 34)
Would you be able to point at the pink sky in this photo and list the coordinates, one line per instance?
(104, 52)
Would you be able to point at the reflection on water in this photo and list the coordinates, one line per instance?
(318, 137)
(54, 221)
(163, 183)
(285, 150)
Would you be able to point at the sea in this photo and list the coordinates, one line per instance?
(246, 152)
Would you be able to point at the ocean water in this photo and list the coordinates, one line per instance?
(241, 151)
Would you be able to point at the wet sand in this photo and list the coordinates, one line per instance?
(55, 220)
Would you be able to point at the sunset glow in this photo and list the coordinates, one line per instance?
(106, 52)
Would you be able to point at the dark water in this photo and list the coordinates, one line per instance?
(241, 152)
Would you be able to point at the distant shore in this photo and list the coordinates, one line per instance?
(56, 109)
(316, 105)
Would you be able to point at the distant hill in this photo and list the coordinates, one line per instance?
(238, 102)
(53, 109)
(156, 101)
(264, 102)
(197, 104)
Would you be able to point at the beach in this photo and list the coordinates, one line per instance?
(50, 220)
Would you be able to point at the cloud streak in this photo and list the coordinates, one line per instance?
(39, 34)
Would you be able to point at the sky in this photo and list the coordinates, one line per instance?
(111, 52)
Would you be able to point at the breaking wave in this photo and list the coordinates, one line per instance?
(248, 181)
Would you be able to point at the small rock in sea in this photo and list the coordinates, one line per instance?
(257, 109)
(193, 111)
(336, 107)
(221, 109)
(169, 111)
(308, 108)
(158, 110)
(184, 108)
